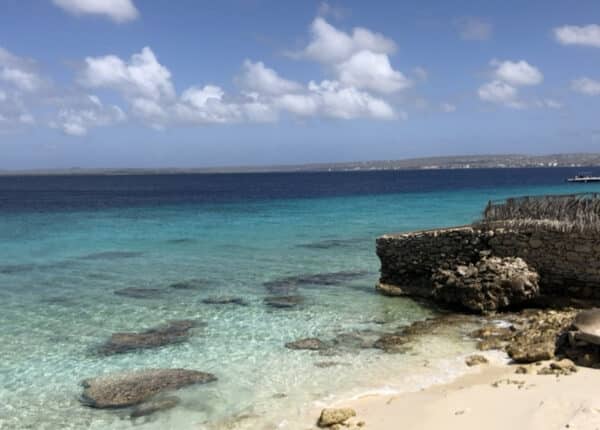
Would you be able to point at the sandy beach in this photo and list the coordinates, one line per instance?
(494, 397)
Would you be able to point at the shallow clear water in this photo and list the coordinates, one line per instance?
(63, 256)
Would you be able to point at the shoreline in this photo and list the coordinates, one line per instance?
(493, 396)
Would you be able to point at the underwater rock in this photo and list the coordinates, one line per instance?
(284, 302)
(110, 255)
(170, 333)
(331, 243)
(154, 405)
(587, 324)
(490, 284)
(190, 284)
(139, 293)
(225, 301)
(289, 284)
(392, 343)
(310, 343)
(119, 390)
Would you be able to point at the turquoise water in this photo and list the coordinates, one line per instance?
(59, 271)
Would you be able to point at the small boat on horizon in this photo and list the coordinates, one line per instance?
(584, 177)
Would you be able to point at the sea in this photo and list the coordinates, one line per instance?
(70, 246)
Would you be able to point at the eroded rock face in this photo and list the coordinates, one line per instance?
(491, 284)
(537, 340)
(119, 390)
(170, 333)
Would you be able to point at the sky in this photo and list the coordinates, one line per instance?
(162, 83)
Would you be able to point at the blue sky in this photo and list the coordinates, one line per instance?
(131, 83)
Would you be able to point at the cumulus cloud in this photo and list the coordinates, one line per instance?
(586, 86)
(117, 10)
(86, 113)
(471, 28)
(330, 45)
(587, 35)
(359, 59)
(508, 76)
(142, 76)
(517, 73)
(373, 71)
(256, 77)
(498, 92)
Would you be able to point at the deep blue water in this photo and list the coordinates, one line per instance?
(50, 193)
(67, 243)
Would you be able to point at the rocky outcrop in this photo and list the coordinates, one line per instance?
(538, 338)
(490, 284)
(119, 390)
(568, 262)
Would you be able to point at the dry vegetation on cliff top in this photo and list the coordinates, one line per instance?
(571, 212)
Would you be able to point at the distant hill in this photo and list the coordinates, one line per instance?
(451, 162)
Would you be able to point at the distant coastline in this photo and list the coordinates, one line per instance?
(581, 160)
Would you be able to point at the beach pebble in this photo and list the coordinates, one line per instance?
(475, 360)
(332, 416)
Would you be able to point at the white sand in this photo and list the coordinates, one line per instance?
(543, 402)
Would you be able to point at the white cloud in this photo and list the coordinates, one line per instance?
(517, 73)
(19, 72)
(143, 76)
(586, 86)
(330, 45)
(471, 28)
(257, 77)
(87, 113)
(117, 10)
(370, 70)
(498, 92)
(447, 107)
(587, 35)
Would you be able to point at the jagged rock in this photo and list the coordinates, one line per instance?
(125, 389)
(310, 343)
(154, 405)
(170, 333)
(225, 301)
(538, 339)
(332, 416)
(490, 284)
(475, 360)
(285, 302)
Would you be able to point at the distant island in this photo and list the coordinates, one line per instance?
(425, 163)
